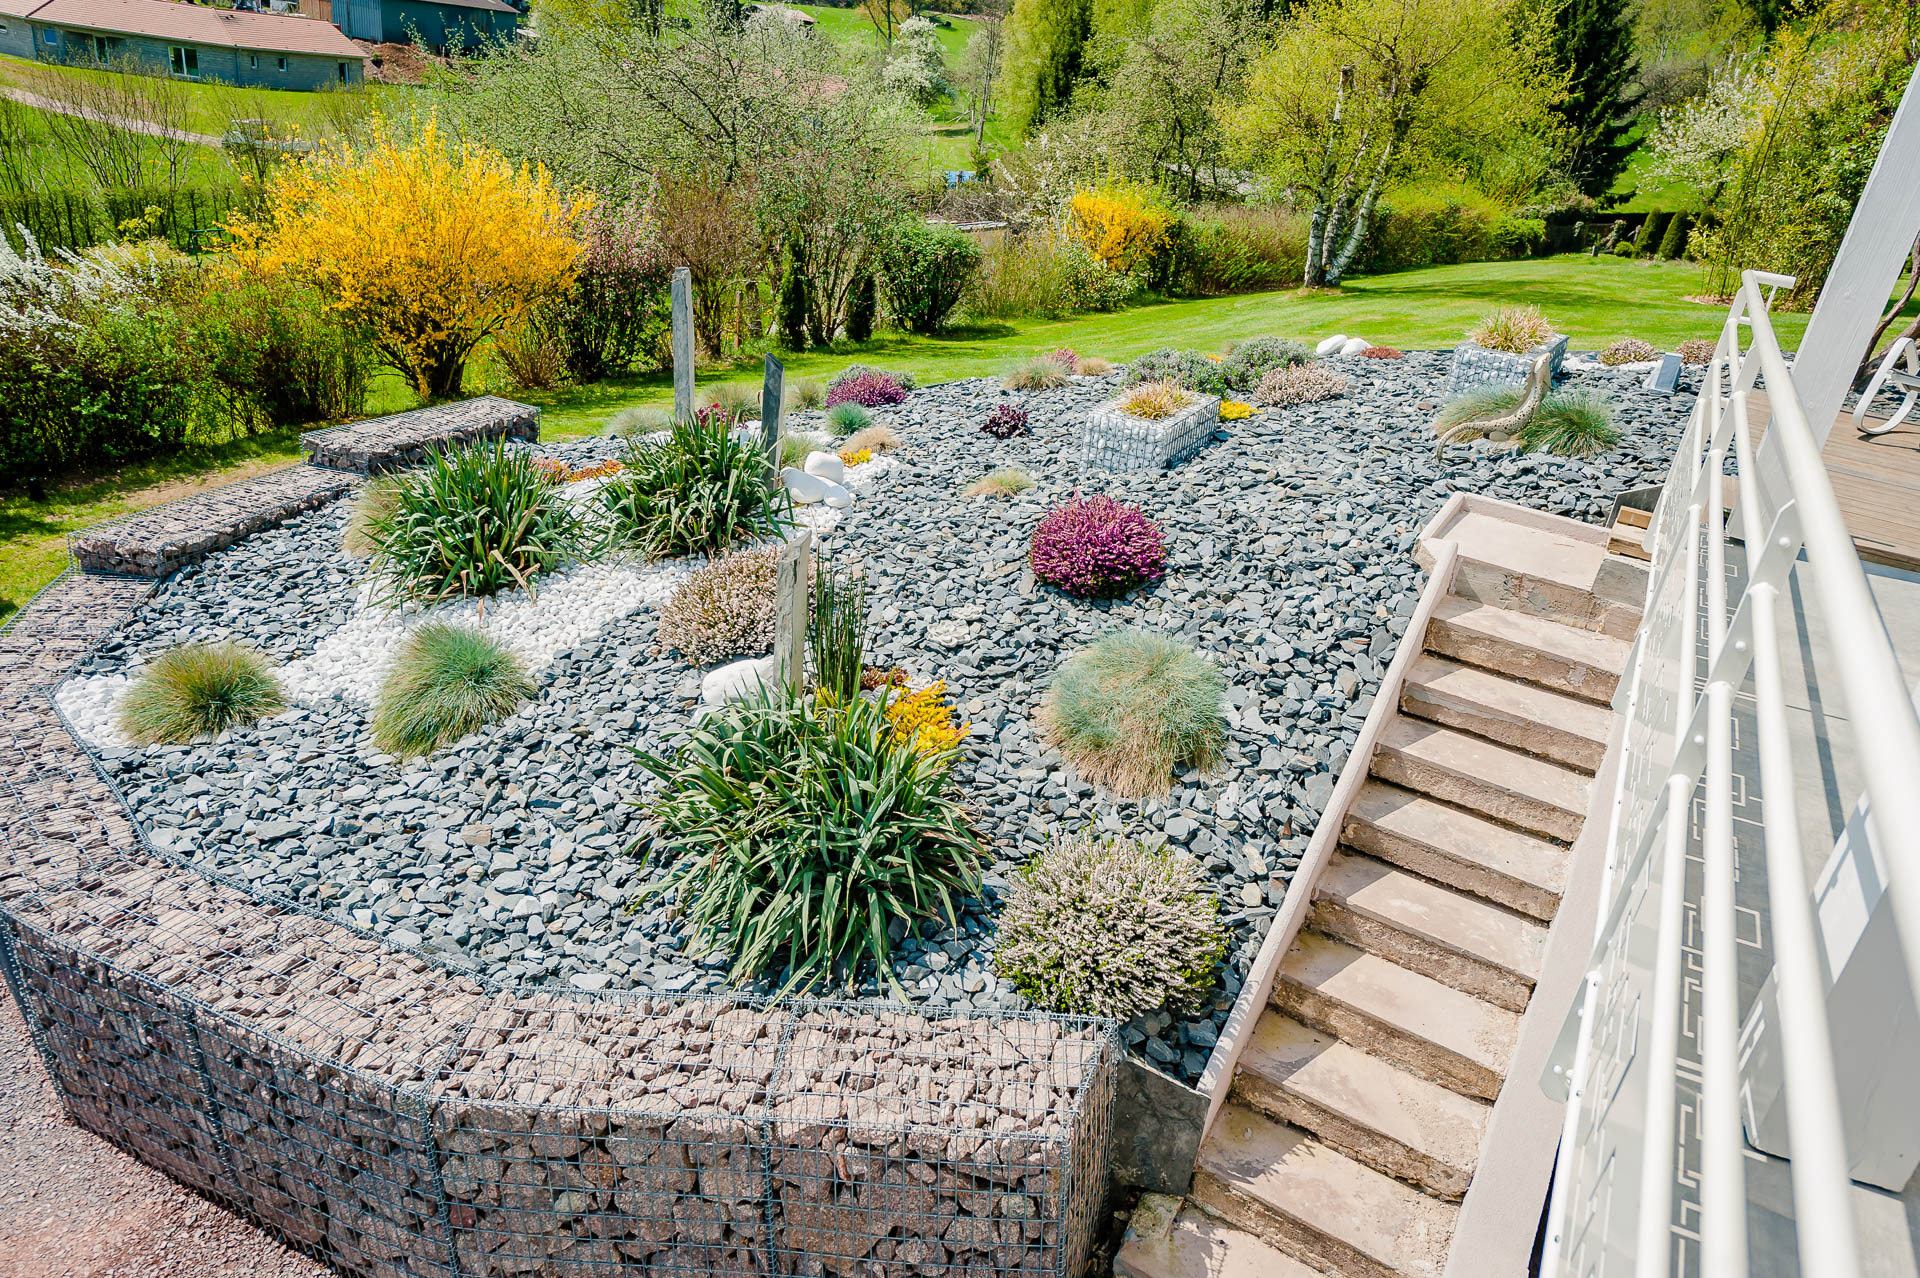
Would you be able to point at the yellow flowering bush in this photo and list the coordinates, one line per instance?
(430, 247)
(1232, 410)
(1124, 224)
(924, 720)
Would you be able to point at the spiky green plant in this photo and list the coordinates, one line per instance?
(702, 490)
(472, 521)
(447, 680)
(1110, 927)
(837, 629)
(1004, 482)
(845, 419)
(1042, 372)
(797, 830)
(198, 690)
(632, 423)
(1129, 708)
(1514, 329)
(1479, 404)
(1575, 423)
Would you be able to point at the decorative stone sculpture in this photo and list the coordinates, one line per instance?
(827, 466)
(1500, 429)
(805, 489)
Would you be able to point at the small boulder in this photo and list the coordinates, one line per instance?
(805, 489)
(1354, 345)
(735, 679)
(837, 496)
(827, 466)
(1331, 345)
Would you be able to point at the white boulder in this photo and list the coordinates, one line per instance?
(1331, 345)
(837, 496)
(805, 489)
(1354, 345)
(827, 466)
(736, 679)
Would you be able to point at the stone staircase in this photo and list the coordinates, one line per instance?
(1357, 1110)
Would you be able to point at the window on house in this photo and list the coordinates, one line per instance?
(53, 37)
(100, 49)
(282, 60)
(186, 61)
(253, 62)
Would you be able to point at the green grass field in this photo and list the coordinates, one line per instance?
(211, 107)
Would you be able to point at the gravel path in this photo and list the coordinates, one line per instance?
(73, 1206)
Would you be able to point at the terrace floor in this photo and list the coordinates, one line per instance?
(1877, 480)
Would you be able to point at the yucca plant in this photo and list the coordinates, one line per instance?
(797, 830)
(837, 630)
(446, 681)
(700, 491)
(473, 521)
(198, 690)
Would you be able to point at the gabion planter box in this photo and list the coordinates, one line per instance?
(1475, 365)
(1113, 439)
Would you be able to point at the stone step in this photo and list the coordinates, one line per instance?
(1471, 772)
(1550, 725)
(1461, 940)
(1551, 571)
(1434, 1030)
(1171, 1239)
(1315, 1203)
(1451, 845)
(1363, 1106)
(1580, 663)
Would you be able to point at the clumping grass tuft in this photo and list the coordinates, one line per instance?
(198, 690)
(375, 502)
(1130, 708)
(739, 401)
(1042, 372)
(1577, 423)
(848, 417)
(446, 681)
(837, 630)
(795, 448)
(1628, 350)
(1478, 404)
(1514, 329)
(1110, 927)
(875, 439)
(1005, 482)
(723, 610)
(1154, 400)
(808, 392)
(631, 422)
(1093, 366)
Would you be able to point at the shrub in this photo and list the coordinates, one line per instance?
(1041, 372)
(1514, 329)
(926, 269)
(1044, 275)
(1697, 350)
(738, 401)
(1384, 352)
(869, 389)
(808, 392)
(798, 831)
(1093, 366)
(532, 352)
(923, 721)
(1648, 237)
(198, 690)
(1004, 482)
(1088, 284)
(1444, 225)
(279, 354)
(1097, 547)
(446, 681)
(855, 456)
(1628, 350)
(1241, 248)
(1250, 361)
(473, 521)
(1673, 241)
(699, 491)
(1232, 410)
(863, 306)
(617, 308)
(1005, 421)
(1128, 709)
(723, 610)
(374, 502)
(837, 630)
(1109, 927)
(847, 417)
(1155, 400)
(1189, 370)
(1124, 224)
(1575, 423)
(877, 439)
(1302, 384)
(1066, 357)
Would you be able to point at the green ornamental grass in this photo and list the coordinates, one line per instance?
(1004, 482)
(198, 690)
(700, 491)
(1575, 423)
(1478, 404)
(797, 831)
(1042, 372)
(847, 418)
(837, 630)
(1128, 709)
(447, 680)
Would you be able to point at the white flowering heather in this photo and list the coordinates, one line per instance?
(1302, 384)
(1110, 928)
(725, 609)
(1628, 350)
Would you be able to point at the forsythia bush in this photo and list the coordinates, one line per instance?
(432, 249)
(1124, 224)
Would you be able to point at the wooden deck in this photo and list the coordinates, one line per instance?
(1877, 481)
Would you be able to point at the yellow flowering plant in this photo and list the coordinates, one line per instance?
(925, 722)
(1124, 224)
(432, 248)
(855, 456)
(1232, 410)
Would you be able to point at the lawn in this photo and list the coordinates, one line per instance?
(1638, 190)
(1595, 300)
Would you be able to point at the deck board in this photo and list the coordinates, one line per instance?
(1876, 480)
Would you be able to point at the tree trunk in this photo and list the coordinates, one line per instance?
(443, 374)
(1357, 234)
(1317, 224)
(1865, 370)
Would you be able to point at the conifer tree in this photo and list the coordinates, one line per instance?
(1593, 44)
(1046, 42)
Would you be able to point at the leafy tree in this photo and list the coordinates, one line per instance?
(430, 248)
(1046, 43)
(862, 309)
(1353, 93)
(917, 65)
(927, 269)
(1592, 47)
(980, 65)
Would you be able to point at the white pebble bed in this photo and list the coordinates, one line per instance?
(92, 706)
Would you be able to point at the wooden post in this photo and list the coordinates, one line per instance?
(773, 387)
(792, 581)
(682, 344)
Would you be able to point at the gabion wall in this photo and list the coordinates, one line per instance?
(395, 1118)
(1114, 440)
(1475, 365)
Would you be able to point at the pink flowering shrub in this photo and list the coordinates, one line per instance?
(619, 302)
(869, 390)
(1098, 547)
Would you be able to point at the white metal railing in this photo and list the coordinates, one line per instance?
(1612, 1209)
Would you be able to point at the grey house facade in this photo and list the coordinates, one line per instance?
(16, 33)
(190, 42)
(435, 23)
